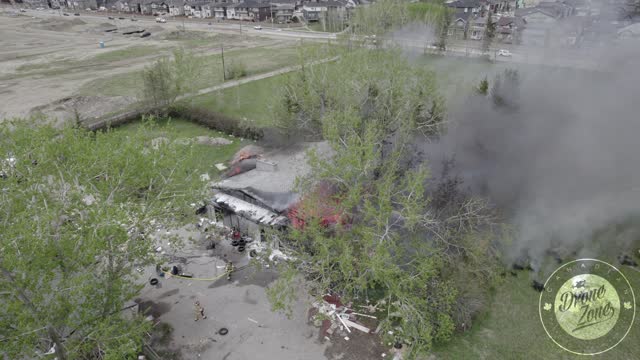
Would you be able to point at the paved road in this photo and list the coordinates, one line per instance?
(190, 24)
(535, 56)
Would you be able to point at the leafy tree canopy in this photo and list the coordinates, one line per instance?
(76, 210)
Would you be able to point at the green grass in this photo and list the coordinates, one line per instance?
(256, 60)
(254, 101)
(123, 54)
(330, 27)
(175, 129)
(512, 329)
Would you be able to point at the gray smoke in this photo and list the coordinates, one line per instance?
(566, 161)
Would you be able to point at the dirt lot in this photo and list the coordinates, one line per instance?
(46, 58)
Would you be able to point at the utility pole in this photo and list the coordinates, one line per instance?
(224, 72)
(271, 13)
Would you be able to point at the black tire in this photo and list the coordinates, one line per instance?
(234, 243)
(253, 253)
(241, 248)
(223, 331)
(154, 282)
(242, 242)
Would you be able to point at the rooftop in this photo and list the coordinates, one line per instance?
(291, 162)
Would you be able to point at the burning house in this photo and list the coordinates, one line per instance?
(259, 189)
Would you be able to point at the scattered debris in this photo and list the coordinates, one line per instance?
(205, 177)
(221, 167)
(336, 316)
(223, 331)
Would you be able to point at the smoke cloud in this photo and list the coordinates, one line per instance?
(565, 161)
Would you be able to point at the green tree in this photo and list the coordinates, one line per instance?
(76, 210)
(371, 229)
(167, 79)
(489, 33)
(483, 87)
(434, 14)
(378, 85)
(506, 89)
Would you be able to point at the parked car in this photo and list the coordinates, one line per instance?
(77, 14)
(65, 14)
(161, 20)
(503, 52)
(120, 18)
(23, 10)
(258, 27)
(111, 18)
(132, 19)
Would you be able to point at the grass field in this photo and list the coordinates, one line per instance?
(253, 101)
(256, 60)
(178, 129)
(512, 329)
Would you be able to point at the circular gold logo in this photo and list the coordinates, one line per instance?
(587, 306)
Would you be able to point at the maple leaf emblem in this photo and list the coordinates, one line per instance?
(547, 306)
(627, 305)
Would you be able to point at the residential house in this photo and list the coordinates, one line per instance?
(176, 7)
(259, 11)
(252, 11)
(476, 27)
(540, 21)
(282, 10)
(459, 24)
(466, 6)
(159, 7)
(317, 10)
(187, 10)
(260, 200)
(502, 6)
(220, 9)
(231, 11)
(240, 12)
(122, 5)
(207, 10)
(79, 4)
(197, 9)
(509, 29)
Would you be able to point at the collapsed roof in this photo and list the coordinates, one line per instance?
(274, 188)
(249, 211)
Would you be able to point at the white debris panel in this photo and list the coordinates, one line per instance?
(249, 211)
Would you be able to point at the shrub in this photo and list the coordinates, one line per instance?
(235, 70)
